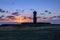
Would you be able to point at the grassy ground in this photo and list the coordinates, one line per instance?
(29, 33)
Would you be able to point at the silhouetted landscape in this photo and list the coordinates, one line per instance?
(29, 30)
(29, 19)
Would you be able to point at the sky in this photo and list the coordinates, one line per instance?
(40, 6)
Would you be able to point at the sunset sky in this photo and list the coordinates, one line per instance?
(24, 7)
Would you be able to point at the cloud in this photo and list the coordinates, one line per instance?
(49, 12)
(1, 17)
(11, 17)
(31, 9)
(1, 10)
(46, 10)
(22, 11)
(15, 14)
(56, 17)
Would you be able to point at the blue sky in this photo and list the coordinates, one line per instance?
(40, 6)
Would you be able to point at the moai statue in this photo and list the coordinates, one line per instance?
(34, 17)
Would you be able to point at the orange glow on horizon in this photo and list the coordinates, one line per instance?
(20, 19)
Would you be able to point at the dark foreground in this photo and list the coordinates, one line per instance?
(30, 34)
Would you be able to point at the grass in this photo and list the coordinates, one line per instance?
(20, 34)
